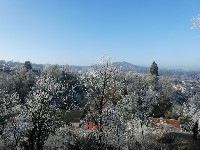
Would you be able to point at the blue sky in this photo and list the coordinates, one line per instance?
(78, 32)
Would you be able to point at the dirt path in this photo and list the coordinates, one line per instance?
(184, 141)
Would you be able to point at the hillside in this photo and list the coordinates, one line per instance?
(122, 66)
(180, 141)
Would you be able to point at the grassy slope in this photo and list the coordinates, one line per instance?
(183, 141)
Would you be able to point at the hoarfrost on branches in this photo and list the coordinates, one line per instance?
(191, 109)
(196, 22)
(103, 90)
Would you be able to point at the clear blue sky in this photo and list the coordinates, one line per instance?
(78, 32)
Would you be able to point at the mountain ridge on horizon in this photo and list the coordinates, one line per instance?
(123, 66)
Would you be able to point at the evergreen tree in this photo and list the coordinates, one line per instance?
(28, 65)
(154, 69)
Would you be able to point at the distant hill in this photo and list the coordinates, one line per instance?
(126, 67)
(122, 66)
(16, 64)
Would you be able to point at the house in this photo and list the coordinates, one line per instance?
(75, 124)
(158, 122)
(90, 125)
(180, 88)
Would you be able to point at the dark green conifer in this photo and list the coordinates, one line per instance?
(28, 65)
(154, 69)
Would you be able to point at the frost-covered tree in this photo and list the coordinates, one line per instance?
(143, 97)
(53, 71)
(196, 22)
(6, 82)
(191, 109)
(145, 101)
(125, 130)
(166, 96)
(29, 124)
(40, 111)
(9, 135)
(74, 89)
(23, 79)
(103, 90)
